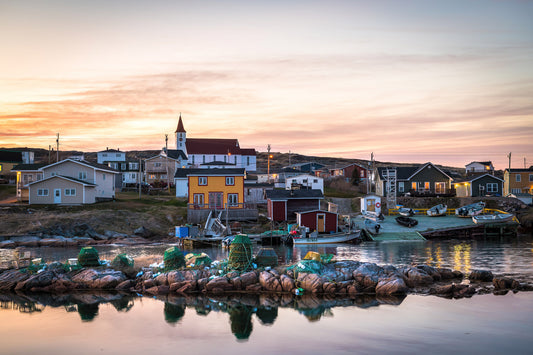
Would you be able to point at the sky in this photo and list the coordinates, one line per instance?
(410, 80)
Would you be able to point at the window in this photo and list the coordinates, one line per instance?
(151, 176)
(54, 173)
(123, 166)
(530, 177)
(118, 155)
(104, 155)
(198, 200)
(123, 177)
(42, 192)
(426, 185)
(413, 186)
(203, 159)
(225, 157)
(202, 180)
(157, 164)
(82, 175)
(134, 176)
(103, 176)
(230, 180)
(193, 159)
(163, 177)
(134, 166)
(440, 187)
(27, 179)
(400, 186)
(70, 192)
(247, 160)
(233, 200)
(492, 187)
(518, 178)
(516, 191)
(315, 181)
(214, 157)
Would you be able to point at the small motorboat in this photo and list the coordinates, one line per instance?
(372, 226)
(438, 210)
(473, 209)
(492, 218)
(406, 221)
(406, 212)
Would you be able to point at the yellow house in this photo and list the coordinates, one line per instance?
(215, 188)
(518, 181)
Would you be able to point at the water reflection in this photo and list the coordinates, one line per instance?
(240, 308)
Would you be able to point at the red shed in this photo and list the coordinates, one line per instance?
(321, 221)
(283, 204)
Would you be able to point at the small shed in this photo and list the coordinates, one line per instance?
(371, 203)
(283, 204)
(321, 221)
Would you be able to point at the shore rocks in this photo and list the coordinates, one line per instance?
(481, 275)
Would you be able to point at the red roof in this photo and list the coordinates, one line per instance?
(180, 128)
(212, 146)
(248, 151)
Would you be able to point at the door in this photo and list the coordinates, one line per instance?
(440, 187)
(215, 200)
(321, 223)
(57, 195)
(481, 190)
(371, 205)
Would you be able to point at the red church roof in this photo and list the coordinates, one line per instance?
(212, 146)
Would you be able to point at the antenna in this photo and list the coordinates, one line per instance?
(166, 142)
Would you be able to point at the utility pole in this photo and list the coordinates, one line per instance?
(139, 177)
(168, 173)
(268, 164)
(289, 158)
(49, 153)
(509, 156)
(524, 162)
(57, 147)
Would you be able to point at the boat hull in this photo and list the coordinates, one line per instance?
(437, 211)
(406, 221)
(495, 218)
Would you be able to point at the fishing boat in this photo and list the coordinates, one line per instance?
(316, 238)
(438, 210)
(406, 212)
(492, 218)
(406, 221)
(473, 209)
(373, 216)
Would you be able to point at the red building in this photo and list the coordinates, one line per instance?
(282, 205)
(321, 221)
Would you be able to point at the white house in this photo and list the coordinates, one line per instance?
(305, 181)
(110, 155)
(73, 182)
(476, 167)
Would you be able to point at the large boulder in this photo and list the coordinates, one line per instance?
(310, 282)
(219, 284)
(431, 271)
(42, 279)
(287, 283)
(481, 275)
(175, 276)
(505, 283)
(10, 278)
(106, 279)
(269, 282)
(392, 285)
(415, 277)
(367, 275)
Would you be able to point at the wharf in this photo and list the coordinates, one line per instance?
(436, 227)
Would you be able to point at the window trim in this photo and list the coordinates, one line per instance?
(518, 178)
(492, 187)
(70, 192)
(233, 203)
(42, 192)
(202, 181)
(231, 180)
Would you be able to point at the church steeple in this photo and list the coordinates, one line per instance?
(180, 128)
(181, 137)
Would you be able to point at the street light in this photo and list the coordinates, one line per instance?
(270, 156)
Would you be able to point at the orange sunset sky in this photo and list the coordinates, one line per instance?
(412, 81)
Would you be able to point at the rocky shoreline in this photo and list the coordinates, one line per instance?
(340, 279)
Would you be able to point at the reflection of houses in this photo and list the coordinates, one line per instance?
(479, 167)
(73, 182)
(518, 181)
(348, 172)
(26, 174)
(320, 221)
(305, 182)
(481, 185)
(283, 204)
(417, 180)
(214, 190)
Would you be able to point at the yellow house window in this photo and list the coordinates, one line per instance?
(426, 185)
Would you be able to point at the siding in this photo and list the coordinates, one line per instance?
(62, 184)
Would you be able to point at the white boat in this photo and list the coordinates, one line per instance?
(406, 212)
(492, 218)
(473, 209)
(438, 210)
(315, 238)
(372, 226)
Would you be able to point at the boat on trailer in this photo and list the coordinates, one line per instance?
(438, 210)
(473, 209)
(493, 218)
(406, 221)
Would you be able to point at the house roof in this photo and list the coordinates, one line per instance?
(294, 194)
(180, 128)
(473, 178)
(78, 181)
(176, 154)
(27, 167)
(111, 151)
(407, 172)
(305, 175)
(212, 146)
(86, 163)
(359, 165)
(9, 156)
(159, 155)
(313, 211)
(520, 170)
(182, 173)
(248, 151)
(480, 162)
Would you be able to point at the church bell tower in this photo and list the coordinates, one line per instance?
(181, 137)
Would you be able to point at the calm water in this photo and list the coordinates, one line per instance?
(112, 324)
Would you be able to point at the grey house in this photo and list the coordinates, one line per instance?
(477, 186)
(424, 180)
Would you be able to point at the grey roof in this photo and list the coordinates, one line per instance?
(64, 177)
(182, 173)
(402, 172)
(27, 167)
(480, 162)
(88, 163)
(293, 194)
(176, 154)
